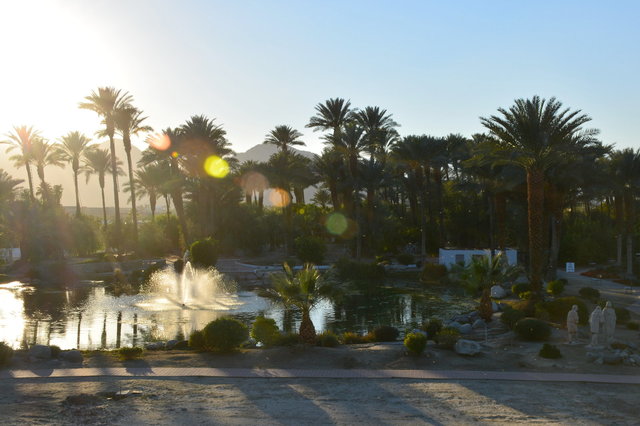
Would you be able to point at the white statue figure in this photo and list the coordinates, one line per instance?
(595, 320)
(572, 323)
(608, 323)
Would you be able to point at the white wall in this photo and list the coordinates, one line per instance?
(448, 256)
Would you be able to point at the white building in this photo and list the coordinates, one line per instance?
(450, 257)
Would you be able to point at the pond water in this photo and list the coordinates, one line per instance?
(89, 317)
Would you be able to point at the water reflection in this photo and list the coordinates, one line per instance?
(90, 318)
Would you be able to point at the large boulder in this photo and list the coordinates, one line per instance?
(479, 323)
(40, 352)
(465, 329)
(74, 356)
(454, 324)
(497, 292)
(467, 347)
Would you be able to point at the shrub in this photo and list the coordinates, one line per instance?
(350, 338)
(288, 339)
(406, 259)
(196, 340)
(265, 331)
(555, 288)
(447, 337)
(310, 249)
(415, 343)
(130, 353)
(520, 288)
(532, 329)
(511, 316)
(549, 351)
(225, 334)
(556, 310)
(589, 293)
(55, 351)
(204, 253)
(385, 333)
(526, 295)
(433, 272)
(622, 315)
(351, 270)
(328, 339)
(432, 327)
(6, 353)
(633, 325)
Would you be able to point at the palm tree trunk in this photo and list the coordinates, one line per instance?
(152, 205)
(619, 207)
(535, 206)
(30, 179)
(307, 330)
(134, 211)
(75, 184)
(104, 207)
(166, 202)
(116, 196)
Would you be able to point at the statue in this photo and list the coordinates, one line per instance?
(608, 323)
(572, 323)
(594, 324)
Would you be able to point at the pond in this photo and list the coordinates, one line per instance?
(89, 317)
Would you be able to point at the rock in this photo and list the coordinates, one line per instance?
(40, 352)
(72, 356)
(497, 292)
(465, 329)
(474, 316)
(495, 307)
(599, 361)
(154, 346)
(592, 356)
(171, 344)
(479, 323)
(467, 347)
(454, 324)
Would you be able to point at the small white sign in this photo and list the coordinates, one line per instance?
(571, 267)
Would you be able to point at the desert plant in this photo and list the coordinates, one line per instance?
(432, 327)
(549, 351)
(447, 337)
(6, 353)
(532, 329)
(556, 287)
(225, 334)
(265, 331)
(415, 343)
(520, 288)
(433, 272)
(310, 249)
(328, 339)
(385, 333)
(589, 293)
(130, 353)
(511, 316)
(204, 253)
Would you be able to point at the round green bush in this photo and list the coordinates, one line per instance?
(532, 329)
(520, 288)
(589, 293)
(447, 337)
(204, 253)
(549, 351)
(196, 340)
(265, 331)
(415, 343)
(310, 249)
(385, 333)
(225, 334)
(130, 353)
(511, 316)
(328, 339)
(557, 310)
(555, 288)
(432, 327)
(6, 353)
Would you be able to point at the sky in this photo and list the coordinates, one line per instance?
(436, 66)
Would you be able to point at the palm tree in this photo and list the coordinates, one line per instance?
(150, 180)
(7, 187)
(333, 114)
(45, 154)
(284, 137)
(302, 290)
(97, 162)
(128, 122)
(72, 149)
(22, 138)
(536, 134)
(106, 102)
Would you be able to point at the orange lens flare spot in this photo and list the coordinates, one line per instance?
(216, 167)
(174, 154)
(160, 142)
(279, 197)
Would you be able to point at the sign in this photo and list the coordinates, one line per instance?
(571, 267)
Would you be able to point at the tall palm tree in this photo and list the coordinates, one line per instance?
(45, 154)
(72, 149)
(333, 114)
(7, 187)
(150, 180)
(22, 138)
(284, 137)
(106, 102)
(98, 162)
(129, 122)
(536, 134)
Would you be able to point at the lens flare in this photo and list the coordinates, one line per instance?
(160, 142)
(279, 197)
(175, 154)
(337, 224)
(216, 167)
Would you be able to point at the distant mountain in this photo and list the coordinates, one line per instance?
(262, 152)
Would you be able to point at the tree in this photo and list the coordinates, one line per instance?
(72, 149)
(97, 162)
(333, 115)
(284, 137)
(129, 122)
(150, 180)
(536, 134)
(22, 138)
(45, 154)
(106, 102)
